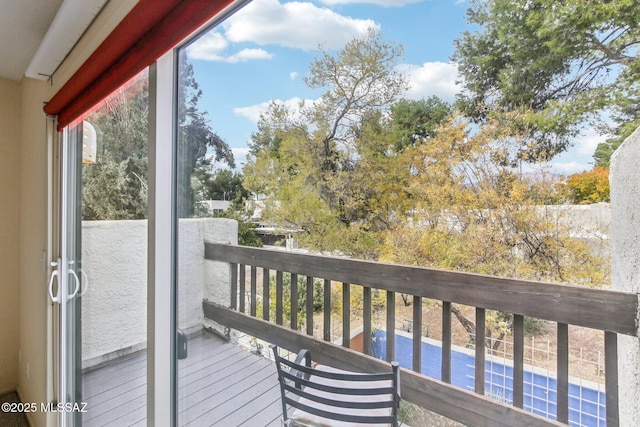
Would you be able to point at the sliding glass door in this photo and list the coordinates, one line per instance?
(66, 283)
(99, 284)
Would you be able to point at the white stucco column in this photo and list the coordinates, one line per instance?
(625, 264)
(217, 275)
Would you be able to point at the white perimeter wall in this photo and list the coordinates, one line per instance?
(114, 305)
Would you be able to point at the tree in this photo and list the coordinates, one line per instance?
(195, 139)
(246, 228)
(312, 162)
(224, 184)
(604, 151)
(472, 212)
(359, 78)
(407, 182)
(624, 124)
(554, 63)
(301, 285)
(590, 186)
(115, 187)
(414, 121)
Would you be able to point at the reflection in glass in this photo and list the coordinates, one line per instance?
(112, 329)
(200, 366)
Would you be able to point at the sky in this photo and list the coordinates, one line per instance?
(261, 53)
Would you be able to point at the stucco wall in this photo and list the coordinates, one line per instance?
(33, 306)
(586, 221)
(625, 265)
(114, 305)
(9, 201)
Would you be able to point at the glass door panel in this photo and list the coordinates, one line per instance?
(203, 381)
(68, 266)
(102, 269)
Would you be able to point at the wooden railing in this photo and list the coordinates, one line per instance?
(608, 311)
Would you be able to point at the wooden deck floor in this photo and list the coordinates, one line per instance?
(219, 385)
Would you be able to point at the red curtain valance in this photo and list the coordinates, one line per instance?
(151, 28)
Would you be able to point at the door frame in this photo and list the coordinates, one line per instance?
(63, 337)
(161, 347)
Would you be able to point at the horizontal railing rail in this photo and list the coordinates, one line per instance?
(465, 407)
(592, 308)
(608, 311)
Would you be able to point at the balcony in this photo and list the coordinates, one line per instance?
(241, 292)
(234, 387)
(565, 306)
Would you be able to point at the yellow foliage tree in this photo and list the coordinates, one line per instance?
(472, 212)
(590, 186)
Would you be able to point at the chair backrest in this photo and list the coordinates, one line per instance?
(320, 394)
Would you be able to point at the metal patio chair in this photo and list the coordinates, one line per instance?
(327, 396)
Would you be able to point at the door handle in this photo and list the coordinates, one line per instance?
(76, 281)
(181, 344)
(85, 282)
(55, 274)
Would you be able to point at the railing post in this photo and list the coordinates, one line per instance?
(346, 315)
(562, 369)
(611, 377)
(234, 285)
(391, 326)
(266, 304)
(254, 286)
(518, 361)
(326, 310)
(480, 352)
(446, 342)
(243, 284)
(309, 313)
(366, 320)
(279, 297)
(294, 301)
(417, 334)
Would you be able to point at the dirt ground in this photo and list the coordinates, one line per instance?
(586, 346)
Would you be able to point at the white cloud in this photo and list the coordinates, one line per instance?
(565, 164)
(588, 141)
(212, 46)
(208, 47)
(568, 168)
(300, 25)
(252, 112)
(579, 157)
(293, 75)
(248, 54)
(385, 3)
(432, 78)
(240, 156)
